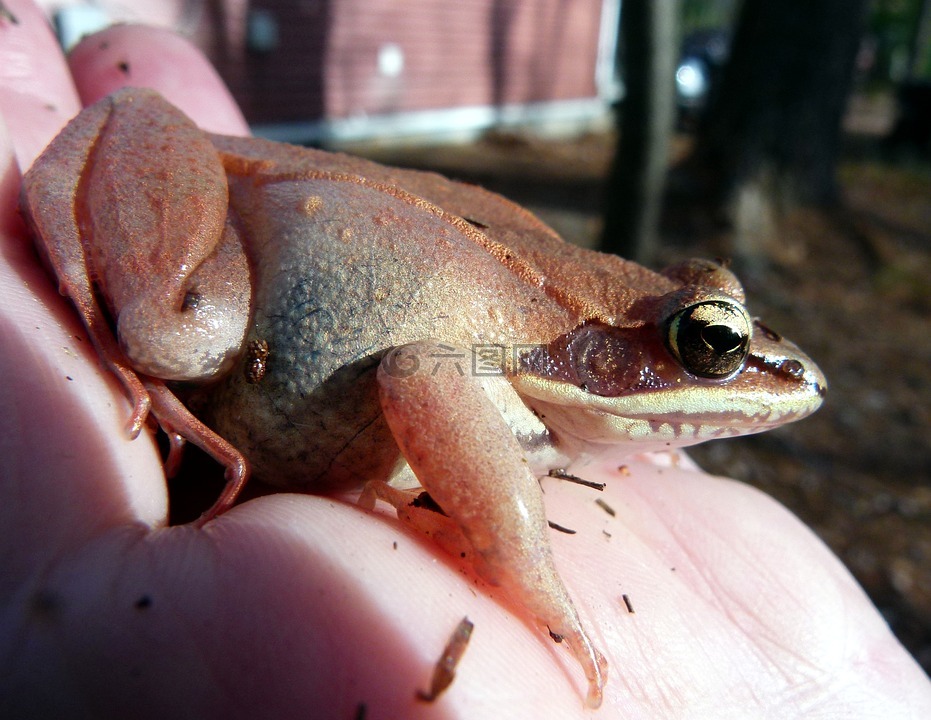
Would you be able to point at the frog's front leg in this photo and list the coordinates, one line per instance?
(465, 455)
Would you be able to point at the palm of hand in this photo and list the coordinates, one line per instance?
(298, 605)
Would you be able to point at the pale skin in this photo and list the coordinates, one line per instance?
(338, 586)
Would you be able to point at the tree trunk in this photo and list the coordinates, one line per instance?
(918, 47)
(772, 136)
(634, 190)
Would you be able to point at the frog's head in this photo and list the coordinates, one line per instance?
(696, 366)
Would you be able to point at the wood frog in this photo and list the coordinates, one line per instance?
(350, 325)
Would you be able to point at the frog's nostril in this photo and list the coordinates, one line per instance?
(792, 368)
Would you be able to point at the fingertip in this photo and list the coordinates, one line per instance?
(140, 56)
(36, 94)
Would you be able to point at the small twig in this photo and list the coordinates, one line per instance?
(445, 669)
(560, 528)
(561, 474)
(604, 506)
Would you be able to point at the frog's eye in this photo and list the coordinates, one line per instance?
(711, 339)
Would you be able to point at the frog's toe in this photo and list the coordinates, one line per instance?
(564, 625)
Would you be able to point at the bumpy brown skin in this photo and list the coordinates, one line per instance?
(344, 271)
(351, 258)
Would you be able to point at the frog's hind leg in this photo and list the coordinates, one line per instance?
(48, 193)
(467, 458)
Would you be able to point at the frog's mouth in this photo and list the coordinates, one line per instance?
(765, 394)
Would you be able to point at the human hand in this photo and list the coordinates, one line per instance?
(309, 607)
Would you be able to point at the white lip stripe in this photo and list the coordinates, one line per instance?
(695, 404)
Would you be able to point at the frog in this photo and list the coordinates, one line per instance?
(327, 324)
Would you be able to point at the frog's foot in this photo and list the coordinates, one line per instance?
(468, 459)
(417, 509)
(178, 422)
(110, 352)
(140, 398)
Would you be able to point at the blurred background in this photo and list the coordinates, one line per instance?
(793, 138)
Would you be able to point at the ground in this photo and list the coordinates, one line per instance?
(851, 287)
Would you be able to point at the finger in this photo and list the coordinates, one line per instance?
(37, 96)
(285, 609)
(134, 55)
(68, 466)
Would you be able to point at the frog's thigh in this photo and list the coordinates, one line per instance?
(464, 454)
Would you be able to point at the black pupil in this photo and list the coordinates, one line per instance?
(721, 338)
(711, 339)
